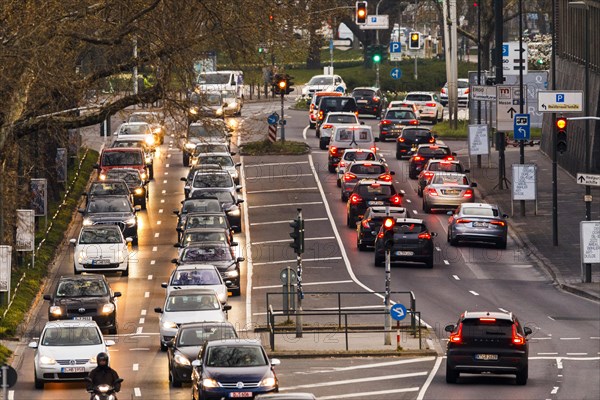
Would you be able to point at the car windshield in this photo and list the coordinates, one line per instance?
(206, 221)
(192, 302)
(114, 158)
(224, 161)
(342, 119)
(434, 151)
(214, 78)
(405, 228)
(374, 190)
(71, 336)
(148, 118)
(213, 99)
(201, 205)
(207, 130)
(210, 148)
(109, 234)
(235, 356)
(109, 188)
(132, 178)
(400, 114)
(349, 135)
(196, 336)
(222, 195)
(213, 180)
(480, 211)
(418, 97)
(81, 288)
(128, 143)
(474, 328)
(367, 169)
(134, 129)
(321, 80)
(104, 205)
(445, 166)
(359, 156)
(412, 134)
(449, 179)
(214, 253)
(191, 237)
(196, 277)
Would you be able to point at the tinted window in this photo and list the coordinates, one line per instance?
(412, 134)
(206, 221)
(363, 92)
(130, 177)
(196, 336)
(321, 80)
(112, 188)
(374, 190)
(418, 97)
(71, 336)
(100, 235)
(214, 78)
(121, 158)
(445, 166)
(192, 302)
(81, 288)
(104, 204)
(400, 114)
(235, 356)
(480, 211)
(214, 253)
(348, 135)
(224, 161)
(128, 143)
(212, 180)
(407, 228)
(453, 179)
(199, 205)
(434, 151)
(364, 169)
(474, 328)
(359, 156)
(222, 196)
(342, 119)
(191, 237)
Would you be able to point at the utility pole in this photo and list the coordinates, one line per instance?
(479, 5)
(553, 135)
(521, 95)
(388, 280)
(499, 38)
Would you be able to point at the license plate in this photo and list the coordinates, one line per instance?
(101, 261)
(486, 357)
(375, 203)
(480, 224)
(240, 394)
(72, 369)
(404, 253)
(362, 101)
(452, 192)
(82, 318)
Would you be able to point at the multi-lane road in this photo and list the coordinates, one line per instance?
(564, 349)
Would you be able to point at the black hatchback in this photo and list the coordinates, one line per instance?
(367, 230)
(394, 121)
(368, 193)
(411, 241)
(370, 100)
(335, 103)
(84, 297)
(410, 138)
(425, 153)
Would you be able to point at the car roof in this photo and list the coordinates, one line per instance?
(236, 341)
(212, 229)
(112, 180)
(101, 226)
(205, 323)
(362, 162)
(207, 213)
(122, 149)
(286, 396)
(206, 244)
(70, 323)
(132, 170)
(448, 173)
(479, 205)
(114, 196)
(437, 160)
(340, 113)
(491, 314)
(432, 93)
(366, 87)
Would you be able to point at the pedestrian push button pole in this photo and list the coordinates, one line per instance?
(388, 244)
(298, 245)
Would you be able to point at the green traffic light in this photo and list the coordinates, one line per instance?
(377, 58)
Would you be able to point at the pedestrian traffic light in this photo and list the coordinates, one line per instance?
(388, 232)
(561, 134)
(298, 235)
(414, 41)
(361, 12)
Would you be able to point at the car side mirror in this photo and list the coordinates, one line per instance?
(81, 211)
(473, 184)
(225, 104)
(449, 328)
(527, 330)
(238, 188)
(171, 343)
(233, 153)
(275, 362)
(164, 285)
(435, 135)
(450, 213)
(505, 216)
(433, 234)
(48, 297)
(96, 166)
(362, 122)
(179, 229)
(197, 363)
(183, 179)
(174, 261)
(239, 164)
(240, 259)
(73, 241)
(33, 345)
(226, 307)
(158, 310)
(178, 245)
(129, 240)
(454, 154)
(109, 343)
(176, 212)
(392, 173)
(240, 201)
(377, 139)
(117, 294)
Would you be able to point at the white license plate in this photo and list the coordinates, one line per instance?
(82, 318)
(101, 261)
(240, 394)
(480, 224)
(72, 369)
(404, 253)
(451, 192)
(362, 101)
(375, 203)
(486, 357)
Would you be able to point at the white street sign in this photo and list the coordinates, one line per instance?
(507, 105)
(483, 93)
(590, 241)
(524, 182)
(377, 22)
(478, 140)
(511, 60)
(560, 101)
(588, 179)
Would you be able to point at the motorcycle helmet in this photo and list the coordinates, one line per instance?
(102, 359)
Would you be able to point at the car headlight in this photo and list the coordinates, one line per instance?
(150, 140)
(157, 130)
(232, 274)
(270, 381)
(190, 146)
(169, 325)
(181, 359)
(56, 311)
(102, 177)
(143, 176)
(87, 222)
(209, 383)
(47, 360)
(193, 110)
(232, 123)
(219, 111)
(234, 212)
(148, 159)
(130, 222)
(108, 308)
(138, 191)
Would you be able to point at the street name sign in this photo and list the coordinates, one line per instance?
(483, 93)
(560, 101)
(590, 241)
(522, 129)
(511, 64)
(588, 179)
(507, 105)
(398, 312)
(377, 22)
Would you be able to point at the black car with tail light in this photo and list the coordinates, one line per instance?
(368, 193)
(410, 138)
(407, 239)
(426, 152)
(394, 121)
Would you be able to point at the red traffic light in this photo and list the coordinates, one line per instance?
(561, 123)
(388, 223)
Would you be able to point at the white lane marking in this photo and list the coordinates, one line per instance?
(160, 210)
(554, 390)
(549, 317)
(164, 192)
(287, 221)
(446, 262)
(415, 212)
(287, 240)
(287, 204)
(155, 248)
(425, 386)
(408, 200)
(249, 263)
(338, 237)
(304, 131)
(292, 261)
(167, 165)
(162, 200)
(157, 234)
(559, 363)
(282, 190)
(146, 294)
(357, 380)
(142, 320)
(166, 173)
(303, 284)
(437, 249)
(11, 395)
(165, 181)
(367, 394)
(158, 222)
(168, 156)
(570, 338)
(143, 312)
(149, 277)
(276, 176)
(456, 277)
(577, 354)
(368, 366)
(139, 329)
(152, 262)
(269, 164)
(137, 391)
(137, 348)
(547, 354)
(402, 190)
(474, 293)
(595, 337)
(502, 309)
(136, 367)
(541, 338)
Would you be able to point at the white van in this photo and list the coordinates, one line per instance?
(217, 81)
(349, 137)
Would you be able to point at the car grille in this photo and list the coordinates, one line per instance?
(233, 385)
(75, 311)
(57, 376)
(103, 266)
(79, 361)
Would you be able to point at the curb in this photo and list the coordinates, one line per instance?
(348, 354)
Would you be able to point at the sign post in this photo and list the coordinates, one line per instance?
(557, 101)
(398, 313)
(589, 232)
(524, 184)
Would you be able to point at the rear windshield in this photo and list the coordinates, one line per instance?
(223, 161)
(122, 158)
(412, 134)
(357, 135)
(200, 205)
(481, 212)
(203, 131)
(210, 148)
(81, 288)
(110, 234)
(149, 118)
(445, 166)
(196, 277)
(434, 151)
(443, 179)
(192, 302)
(342, 119)
(128, 143)
(498, 329)
(400, 114)
(363, 92)
(206, 221)
(222, 195)
(375, 190)
(338, 104)
(406, 227)
(131, 177)
(418, 97)
(364, 169)
(359, 156)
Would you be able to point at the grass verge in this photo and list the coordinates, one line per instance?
(265, 147)
(444, 130)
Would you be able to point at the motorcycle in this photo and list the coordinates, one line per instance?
(104, 392)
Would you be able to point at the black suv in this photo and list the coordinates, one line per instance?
(410, 241)
(367, 193)
(335, 103)
(367, 230)
(137, 186)
(493, 342)
(369, 100)
(108, 187)
(410, 138)
(84, 297)
(425, 153)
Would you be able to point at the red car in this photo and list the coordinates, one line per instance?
(123, 158)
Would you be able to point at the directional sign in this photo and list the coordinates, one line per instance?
(377, 22)
(396, 73)
(510, 58)
(398, 312)
(588, 179)
(507, 105)
(483, 93)
(273, 119)
(560, 101)
(522, 127)
(395, 51)
(589, 232)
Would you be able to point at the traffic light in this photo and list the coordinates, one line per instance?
(361, 12)
(282, 84)
(388, 232)
(377, 55)
(561, 134)
(414, 41)
(289, 84)
(297, 235)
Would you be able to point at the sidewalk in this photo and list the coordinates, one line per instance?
(534, 232)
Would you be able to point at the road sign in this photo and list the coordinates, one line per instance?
(522, 127)
(396, 73)
(483, 93)
(339, 89)
(588, 179)
(507, 105)
(589, 232)
(560, 101)
(478, 140)
(273, 119)
(395, 51)
(398, 312)
(511, 60)
(377, 22)
(11, 375)
(272, 133)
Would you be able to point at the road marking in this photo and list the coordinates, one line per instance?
(157, 234)
(136, 367)
(167, 165)
(304, 131)
(139, 330)
(166, 173)
(275, 176)
(137, 391)
(547, 354)
(282, 190)
(146, 294)
(408, 201)
(164, 192)
(152, 262)
(249, 264)
(158, 222)
(367, 394)
(437, 248)
(303, 284)
(155, 248)
(595, 337)
(446, 262)
(559, 363)
(456, 277)
(425, 386)
(143, 312)
(293, 261)
(577, 354)
(165, 181)
(149, 277)
(367, 366)
(162, 200)
(357, 380)
(502, 309)
(287, 221)
(160, 210)
(287, 240)
(415, 212)
(142, 320)
(287, 204)
(11, 395)
(570, 338)
(269, 164)
(554, 390)
(549, 317)
(402, 190)
(474, 293)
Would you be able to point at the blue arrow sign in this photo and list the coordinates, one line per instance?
(396, 73)
(395, 47)
(522, 125)
(273, 119)
(398, 312)
(339, 89)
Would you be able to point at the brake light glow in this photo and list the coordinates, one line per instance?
(457, 337)
(349, 176)
(417, 158)
(312, 107)
(499, 223)
(430, 104)
(396, 200)
(355, 199)
(332, 150)
(365, 224)
(428, 174)
(467, 91)
(432, 140)
(487, 319)
(388, 223)
(385, 122)
(373, 149)
(385, 178)
(449, 158)
(413, 122)
(463, 221)
(432, 192)
(516, 337)
(327, 126)
(443, 90)
(376, 99)
(375, 185)
(401, 140)
(468, 193)
(425, 235)
(320, 114)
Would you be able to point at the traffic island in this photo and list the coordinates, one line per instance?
(266, 147)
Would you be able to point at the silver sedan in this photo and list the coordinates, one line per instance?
(477, 222)
(448, 190)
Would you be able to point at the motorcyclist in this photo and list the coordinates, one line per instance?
(103, 374)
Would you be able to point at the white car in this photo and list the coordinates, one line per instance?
(197, 276)
(155, 121)
(66, 351)
(211, 179)
(232, 103)
(223, 159)
(429, 105)
(101, 248)
(462, 92)
(323, 83)
(333, 120)
(138, 130)
(351, 155)
(188, 305)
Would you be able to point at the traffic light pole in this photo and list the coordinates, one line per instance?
(387, 340)
(521, 94)
(299, 278)
(282, 120)
(554, 140)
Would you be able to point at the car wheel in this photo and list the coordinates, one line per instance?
(323, 145)
(126, 272)
(331, 168)
(318, 132)
(135, 240)
(412, 174)
(113, 330)
(349, 219)
(451, 374)
(186, 159)
(426, 207)
(38, 383)
(75, 270)
(344, 197)
(501, 244)
(419, 191)
(151, 173)
(311, 125)
(174, 381)
(360, 246)
(143, 204)
(339, 183)
(441, 117)
(236, 292)
(429, 262)
(522, 376)
(381, 138)
(163, 347)
(398, 156)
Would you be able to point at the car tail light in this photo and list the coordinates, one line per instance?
(312, 107)
(432, 192)
(373, 149)
(427, 174)
(425, 235)
(375, 185)
(365, 224)
(401, 140)
(380, 235)
(467, 91)
(413, 122)
(417, 158)
(487, 319)
(449, 158)
(516, 337)
(385, 122)
(430, 105)
(332, 150)
(432, 140)
(385, 178)
(349, 176)
(341, 164)
(376, 99)
(463, 221)
(443, 90)
(327, 126)
(320, 114)
(457, 337)
(355, 199)
(396, 200)
(468, 193)
(499, 223)
(356, 113)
